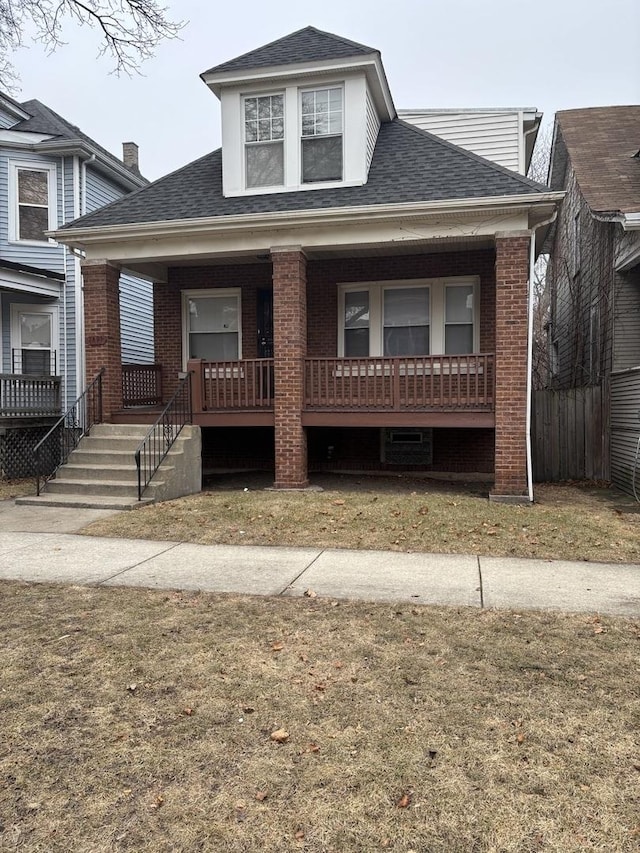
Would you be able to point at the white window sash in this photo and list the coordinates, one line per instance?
(208, 293)
(14, 205)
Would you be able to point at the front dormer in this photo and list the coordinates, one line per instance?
(300, 113)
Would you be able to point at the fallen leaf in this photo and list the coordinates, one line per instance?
(277, 647)
(132, 688)
(299, 835)
(310, 593)
(280, 736)
(599, 629)
(520, 738)
(404, 801)
(338, 503)
(157, 803)
(240, 805)
(261, 796)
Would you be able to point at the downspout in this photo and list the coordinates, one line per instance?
(64, 294)
(81, 210)
(532, 262)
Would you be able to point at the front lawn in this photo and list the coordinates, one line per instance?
(138, 721)
(400, 514)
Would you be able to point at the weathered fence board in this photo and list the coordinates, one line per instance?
(570, 434)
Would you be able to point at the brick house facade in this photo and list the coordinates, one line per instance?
(368, 311)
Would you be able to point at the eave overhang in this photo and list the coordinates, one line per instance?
(370, 64)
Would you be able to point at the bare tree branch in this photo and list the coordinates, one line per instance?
(130, 29)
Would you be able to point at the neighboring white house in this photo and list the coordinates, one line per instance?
(506, 136)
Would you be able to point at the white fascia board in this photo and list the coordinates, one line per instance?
(630, 221)
(113, 167)
(371, 64)
(28, 283)
(79, 237)
(15, 109)
(21, 138)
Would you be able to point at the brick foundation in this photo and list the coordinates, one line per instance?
(512, 274)
(101, 282)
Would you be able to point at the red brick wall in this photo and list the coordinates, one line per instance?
(290, 349)
(323, 277)
(512, 272)
(102, 331)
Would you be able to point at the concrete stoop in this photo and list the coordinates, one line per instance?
(101, 473)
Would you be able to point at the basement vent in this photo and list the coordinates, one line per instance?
(407, 446)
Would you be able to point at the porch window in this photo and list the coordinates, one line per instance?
(409, 318)
(264, 140)
(212, 324)
(321, 111)
(34, 339)
(33, 211)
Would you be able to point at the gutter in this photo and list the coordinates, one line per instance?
(300, 218)
(106, 162)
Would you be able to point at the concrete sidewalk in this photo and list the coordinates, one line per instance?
(39, 547)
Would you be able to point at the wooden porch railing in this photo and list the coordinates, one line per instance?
(224, 385)
(436, 382)
(29, 396)
(141, 385)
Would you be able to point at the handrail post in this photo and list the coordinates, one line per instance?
(194, 366)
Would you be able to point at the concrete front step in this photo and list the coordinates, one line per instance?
(117, 488)
(129, 443)
(92, 458)
(102, 472)
(131, 430)
(84, 501)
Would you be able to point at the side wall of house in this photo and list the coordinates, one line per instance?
(626, 327)
(136, 295)
(580, 283)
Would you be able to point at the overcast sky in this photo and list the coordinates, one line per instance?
(549, 54)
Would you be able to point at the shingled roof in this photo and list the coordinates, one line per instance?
(306, 45)
(409, 165)
(602, 144)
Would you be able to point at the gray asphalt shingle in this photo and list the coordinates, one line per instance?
(306, 45)
(409, 165)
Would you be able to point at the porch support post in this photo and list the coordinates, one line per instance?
(512, 276)
(101, 289)
(290, 350)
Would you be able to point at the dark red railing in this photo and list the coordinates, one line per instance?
(437, 382)
(225, 385)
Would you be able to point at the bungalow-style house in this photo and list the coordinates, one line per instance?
(593, 282)
(347, 290)
(51, 173)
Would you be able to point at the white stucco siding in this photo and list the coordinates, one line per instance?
(494, 135)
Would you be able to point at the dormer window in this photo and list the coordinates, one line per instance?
(264, 140)
(322, 126)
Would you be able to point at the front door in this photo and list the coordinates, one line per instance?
(265, 324)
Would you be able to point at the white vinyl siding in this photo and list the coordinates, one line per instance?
(373, 128)
(494, 135)
(7, 120)
(626, 326)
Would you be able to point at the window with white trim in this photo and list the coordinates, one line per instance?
(34, 339)
(321, 135)
(264, 140)
(409, 318)
(212, 324)
(33, 208)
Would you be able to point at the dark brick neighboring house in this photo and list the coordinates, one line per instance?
(593, 276)
(350, 292)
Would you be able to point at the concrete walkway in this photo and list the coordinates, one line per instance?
(37, 544)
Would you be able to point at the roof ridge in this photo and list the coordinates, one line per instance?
(348, 42)
(503, 170)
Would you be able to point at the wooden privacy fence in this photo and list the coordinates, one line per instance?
(570, 434)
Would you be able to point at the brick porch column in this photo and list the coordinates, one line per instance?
(290, 349)
(512, 276)
(101, 283)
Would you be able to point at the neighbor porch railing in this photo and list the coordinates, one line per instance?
(64, 436)
(29, 396)
(436, 382)
(141, 385)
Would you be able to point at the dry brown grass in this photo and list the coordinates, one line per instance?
(16, 488)
(566, 522)
(140, 721)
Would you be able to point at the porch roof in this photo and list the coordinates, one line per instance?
(409, 165)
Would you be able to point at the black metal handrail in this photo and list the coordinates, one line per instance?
(71, 427)
(159, 440)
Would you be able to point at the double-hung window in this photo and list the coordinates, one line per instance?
(264, 140)
(33, 210)
(409, 318)
(322, 126)
(212, 326)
